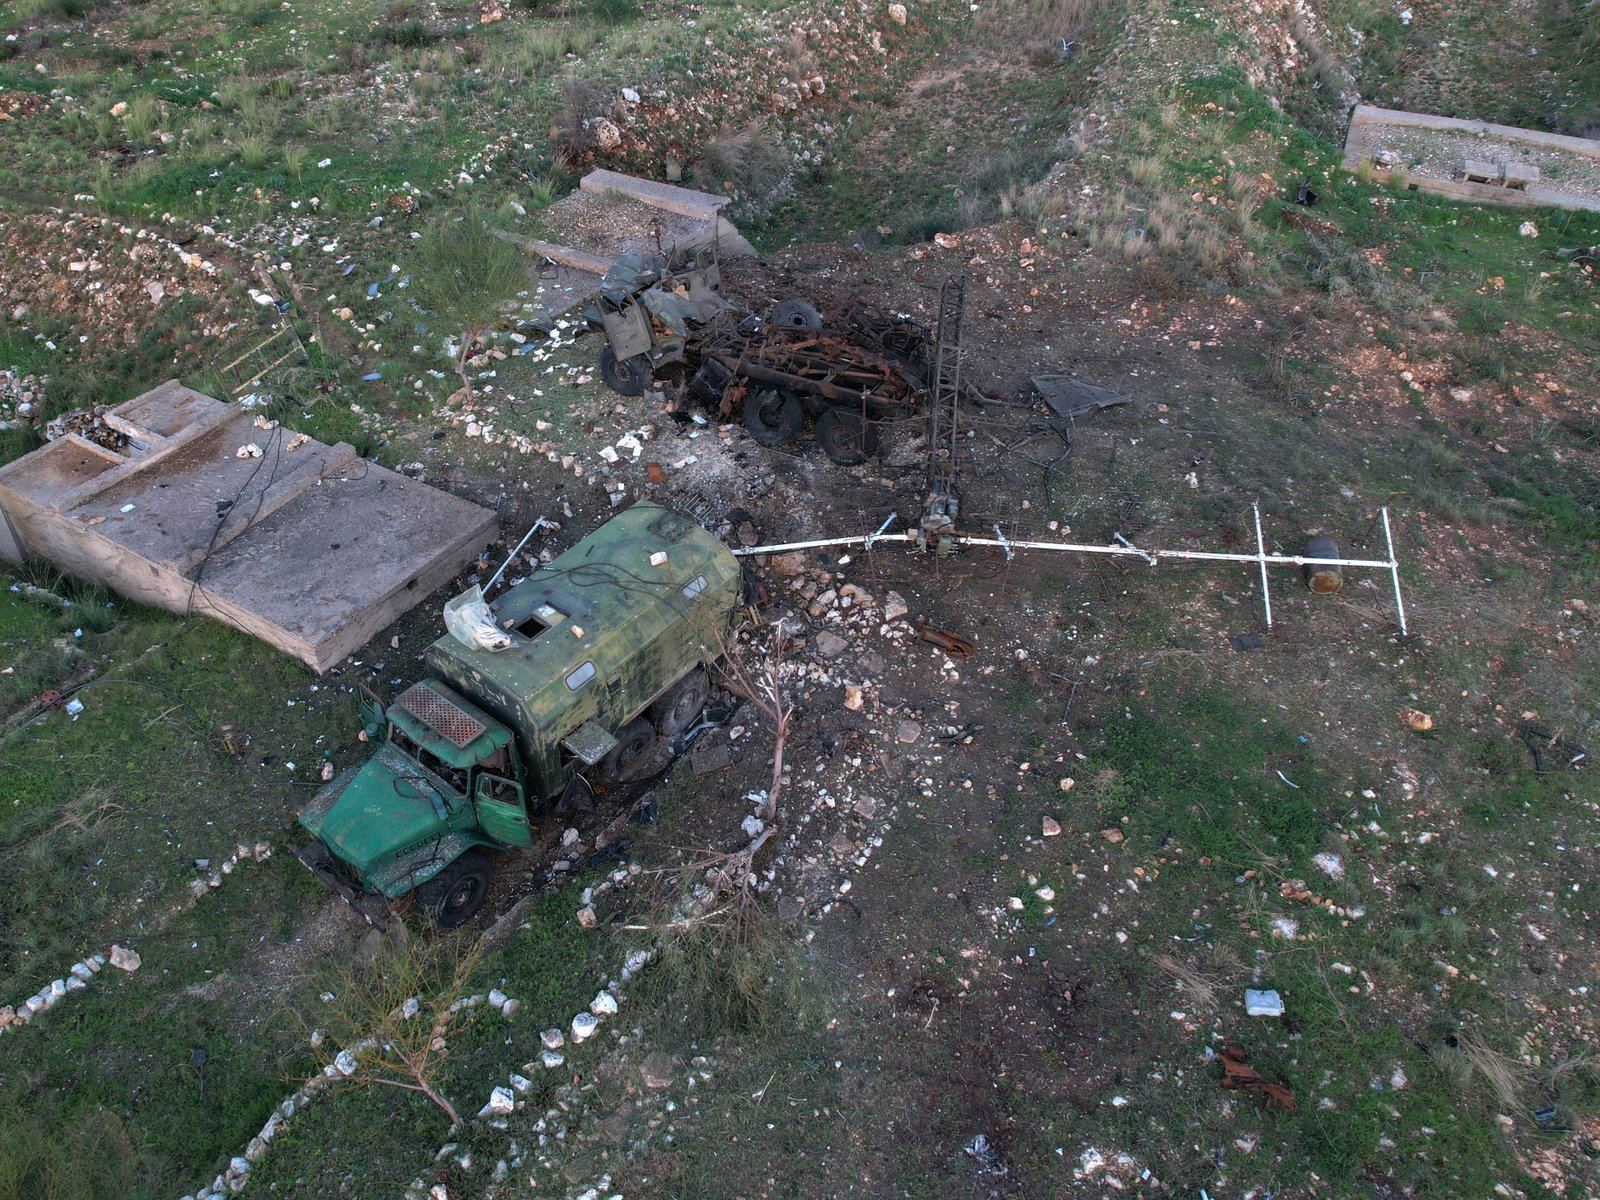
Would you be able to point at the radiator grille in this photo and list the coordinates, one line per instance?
(440, 714)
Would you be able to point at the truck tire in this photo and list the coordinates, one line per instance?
(633, 739)
(774, 417)
(681, 704)
(795, 313)
(454, 896)
(625, 376)
(845, 437)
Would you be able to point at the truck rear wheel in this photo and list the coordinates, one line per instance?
(625, 376)
(845, 437)
(633, 739)
(774, 417)
(677, 709)
(454, 896)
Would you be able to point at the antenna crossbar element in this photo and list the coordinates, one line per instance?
(1122, 548)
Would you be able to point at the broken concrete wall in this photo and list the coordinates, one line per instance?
(305, 546)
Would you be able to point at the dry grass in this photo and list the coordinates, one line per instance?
(1202, 991)
(1146, 170)
(1504, 1075)
(86, 813)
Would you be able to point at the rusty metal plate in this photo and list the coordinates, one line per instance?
(440, 714)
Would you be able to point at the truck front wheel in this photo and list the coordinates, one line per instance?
(625, 376)
(454, 896)
(633, 739)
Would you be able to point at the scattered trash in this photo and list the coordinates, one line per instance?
(372, 377)
(74, 707)
(1416, 719)
(1236, 1073)
(987, 1156)
(1262, 1002)
(1323, 578)
(1304, 195)
(1540, 741)
(952, 644)
(1329, 864)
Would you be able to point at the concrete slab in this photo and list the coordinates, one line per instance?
(1477, 160)
(311, 549)
(702, 206)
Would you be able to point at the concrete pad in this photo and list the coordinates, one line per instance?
(670, 197)
(313, 550)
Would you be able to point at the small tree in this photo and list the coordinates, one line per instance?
(389, 1018)
(463, 278)
(761, 683)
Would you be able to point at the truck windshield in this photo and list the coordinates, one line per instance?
(454, 777)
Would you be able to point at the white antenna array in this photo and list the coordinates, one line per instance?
(1126, 549)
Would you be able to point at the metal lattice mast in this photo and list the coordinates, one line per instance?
(942, 504)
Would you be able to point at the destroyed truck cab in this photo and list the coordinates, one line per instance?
(647, 307)
(598, 653)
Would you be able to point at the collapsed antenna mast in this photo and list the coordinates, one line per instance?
(943, 502)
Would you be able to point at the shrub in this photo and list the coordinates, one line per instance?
(750, 160)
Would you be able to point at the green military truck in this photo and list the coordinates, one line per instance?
(604, 649)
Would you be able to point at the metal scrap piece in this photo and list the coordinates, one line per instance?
(1068, 397)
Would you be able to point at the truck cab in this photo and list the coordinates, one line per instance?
(606, 649)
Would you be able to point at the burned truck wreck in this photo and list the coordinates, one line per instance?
(849, 378)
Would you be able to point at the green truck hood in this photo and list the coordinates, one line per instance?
(388, 807)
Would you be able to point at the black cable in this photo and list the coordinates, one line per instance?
(226, 512)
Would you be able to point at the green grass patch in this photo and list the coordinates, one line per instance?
(1204, 774)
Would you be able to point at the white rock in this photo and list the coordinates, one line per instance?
(1528, 229)
(752, 826)
(1046, 893)
(497, 997)
(553, 1039)
(1052, 827)
(583, 1026)
(897, 13)
(520, 1083)
(1329, 864)
(552, 1059)
(124, 959)
(894, 606)
(510, 1008)
(345, 1063)
(410, 1008)
(604, 1005)
(501, 1101)
(630, 96)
